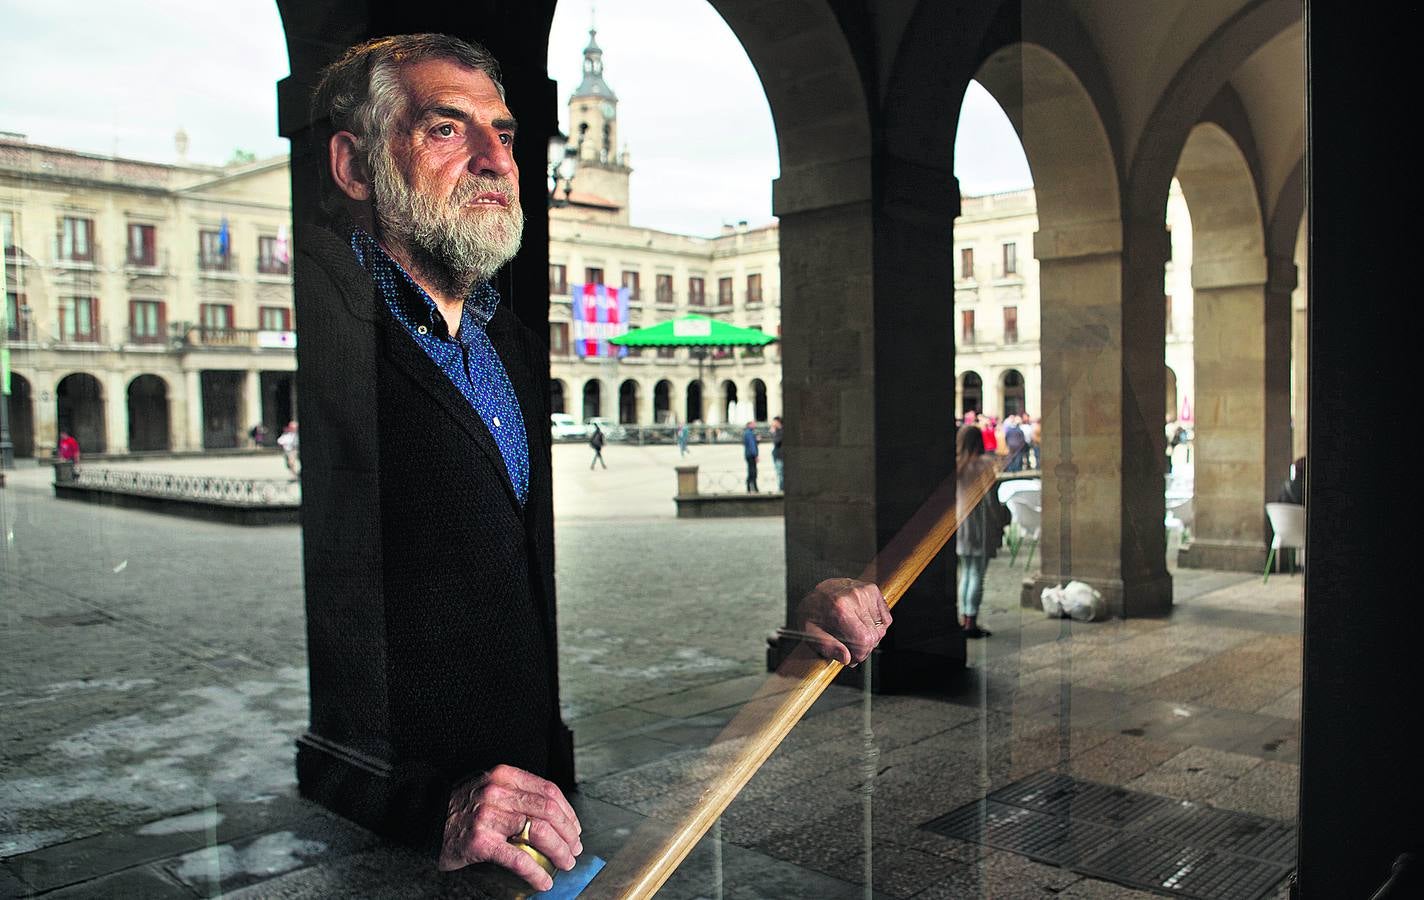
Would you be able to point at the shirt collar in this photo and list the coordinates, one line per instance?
(479, 306)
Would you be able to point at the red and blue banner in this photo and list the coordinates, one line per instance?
(600, 312)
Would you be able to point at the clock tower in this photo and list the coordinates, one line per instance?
(601, 183)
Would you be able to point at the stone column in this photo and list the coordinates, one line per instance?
(1102, 410)
(1242, 348)
(869, 415)
(194, 402)
(116, 412)
(46, 406)
(251, 403)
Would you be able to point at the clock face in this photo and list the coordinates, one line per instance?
(608, 110)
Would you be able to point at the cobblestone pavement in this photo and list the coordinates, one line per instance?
(152, 678)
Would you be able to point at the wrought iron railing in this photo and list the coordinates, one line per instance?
(207, 488)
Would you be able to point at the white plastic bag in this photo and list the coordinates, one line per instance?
(1052, 600)
(1082, 602)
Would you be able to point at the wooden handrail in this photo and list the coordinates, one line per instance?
(658, 847)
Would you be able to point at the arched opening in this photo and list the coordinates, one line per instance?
(1012, 388)
(1241, 427)
(592, 400)
(22, 416)
(759, 406)
(1171, 400)
(662, 402)
(971, 392)
(79, 410)
(628, 402)
(694, 402)
(729, 407)
(148, 413)
(556, 396)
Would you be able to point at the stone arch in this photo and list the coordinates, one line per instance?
(558, 401)
(760, 409)
(694, 411)
(147, 397)
(662, 401)
(628, 394)
(592, 399)
(1241, 348)
(1011, 390)
(1189, 94)
(79, 410)
(1171, 395)
(22, 415)
(726, 396)
(971, 392)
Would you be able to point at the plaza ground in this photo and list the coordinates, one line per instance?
(152, 680)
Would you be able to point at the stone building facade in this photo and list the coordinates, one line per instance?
(149, 305)
(733, 276)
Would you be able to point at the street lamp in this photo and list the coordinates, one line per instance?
(563, 163)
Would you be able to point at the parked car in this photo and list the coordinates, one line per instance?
(564, 427)
(611, 430)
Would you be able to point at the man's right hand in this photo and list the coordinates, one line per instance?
(486, 812)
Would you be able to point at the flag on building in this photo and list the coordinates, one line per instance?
(599, 312)
(284, 253)
(223, 237)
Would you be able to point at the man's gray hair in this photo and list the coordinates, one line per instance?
(361, 91)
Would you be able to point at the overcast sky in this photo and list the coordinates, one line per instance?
(121, 76)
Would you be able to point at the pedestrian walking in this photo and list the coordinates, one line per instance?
(596, 442)
(750, 451)
(287, 440)
(776, 458)
(980, 528)
(682, 439)
(1015, 442)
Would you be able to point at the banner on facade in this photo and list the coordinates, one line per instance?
(599, 312)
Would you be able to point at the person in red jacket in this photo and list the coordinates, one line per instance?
(68, 448)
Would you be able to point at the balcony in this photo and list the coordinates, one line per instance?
(217, 265)
(193, 336)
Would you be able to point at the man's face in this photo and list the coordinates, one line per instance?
(445, 186)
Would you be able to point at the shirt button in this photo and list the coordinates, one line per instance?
(422, 329)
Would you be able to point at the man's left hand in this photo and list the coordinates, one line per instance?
(844, 619)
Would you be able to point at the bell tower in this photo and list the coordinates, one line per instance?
(601, 182)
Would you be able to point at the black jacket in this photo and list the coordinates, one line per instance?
(456, 656)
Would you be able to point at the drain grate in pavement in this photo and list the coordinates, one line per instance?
(1141, 840)
(1184, 871)
(1061, 795)
(1221, 829)
(1051, 839)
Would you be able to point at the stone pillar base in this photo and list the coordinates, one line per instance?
(1145, 598)
(1230, 556)
(933, 666)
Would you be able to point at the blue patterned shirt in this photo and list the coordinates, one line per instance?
(468, 358)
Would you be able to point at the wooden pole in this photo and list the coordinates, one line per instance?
(658, 847)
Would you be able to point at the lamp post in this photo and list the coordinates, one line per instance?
(563, 164)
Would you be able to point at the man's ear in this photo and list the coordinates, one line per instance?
(346, 167)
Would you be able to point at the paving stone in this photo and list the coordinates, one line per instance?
(1120, 759)
(147, 882)
(221, 868)
(1000, 875)
(1271, 789)
(1093, 889)
(621, 754)
(611, 723)
(704, 699)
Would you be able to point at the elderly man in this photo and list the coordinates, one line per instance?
(420, 159)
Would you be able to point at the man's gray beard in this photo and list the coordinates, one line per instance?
(450, 247)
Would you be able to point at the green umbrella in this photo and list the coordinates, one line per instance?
(694, 331)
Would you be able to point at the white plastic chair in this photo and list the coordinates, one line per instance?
(1026, 510)
(1288, 523)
